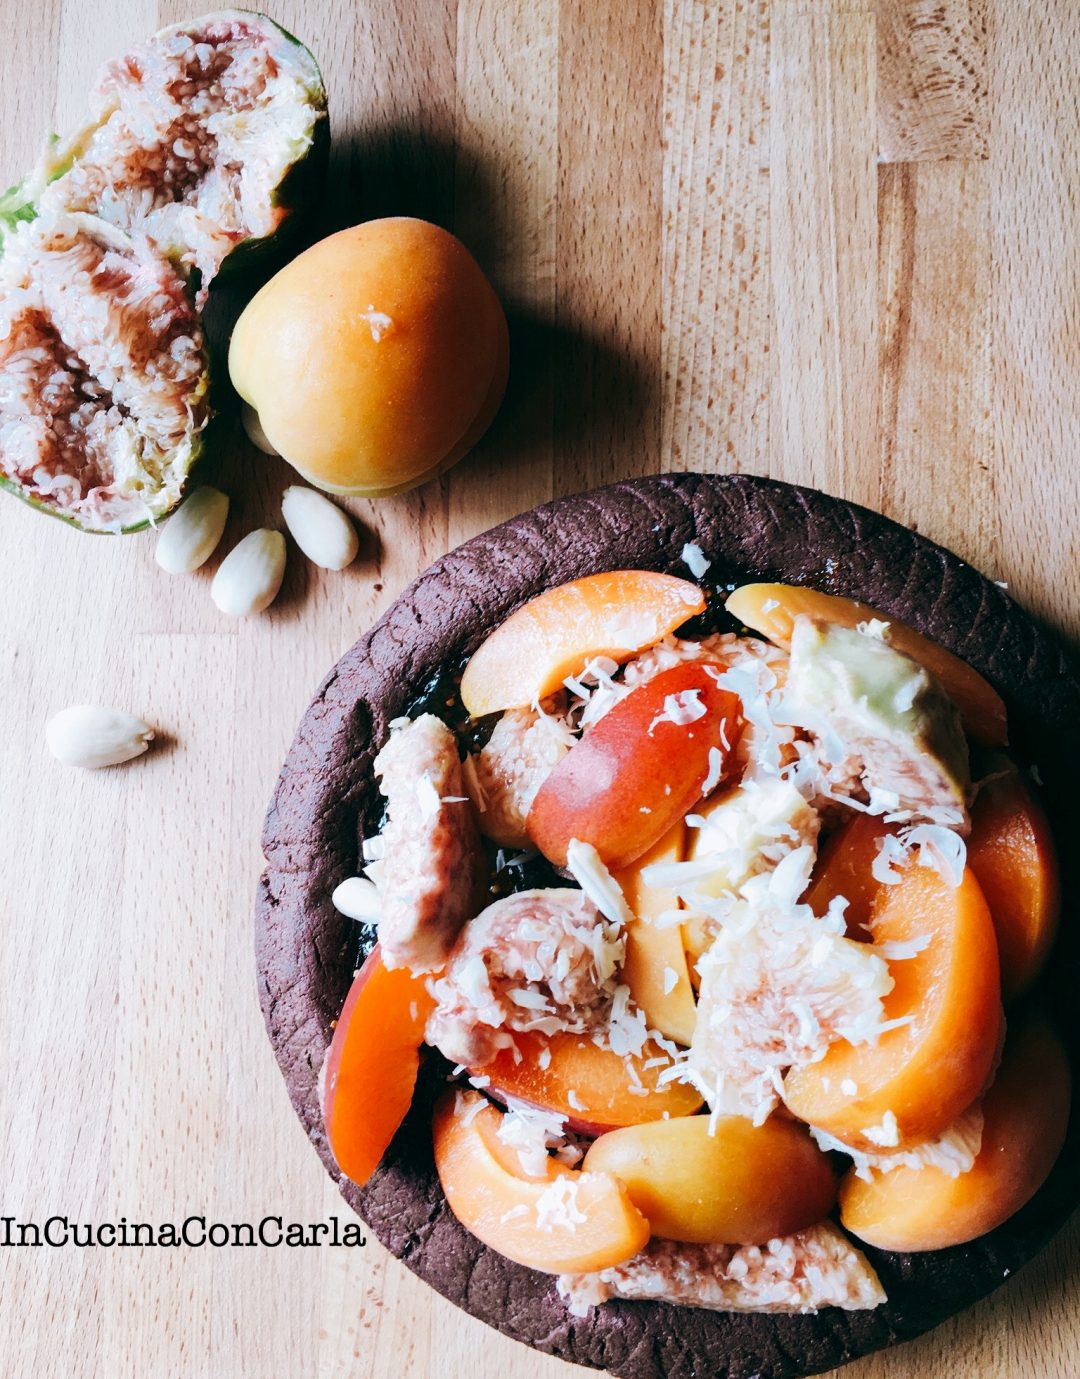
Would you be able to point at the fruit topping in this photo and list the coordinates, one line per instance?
(880, 710)
(847, 869)
(431, 863)
(592, 1088)
(818, 1267)
(719, 1180)
(655, 964)
(943, 1018)
(371, 1065)
(556, 634)
(1025, 1114)
(1011, 852)
(504, 776)
(565, 1221)
(772, 610)
(952, 1152)
(196, 133)
(374, 359)
(637, 772)
(744, 831)
(102, 375)
(541, 960)
(778, 987)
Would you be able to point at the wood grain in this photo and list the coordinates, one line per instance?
(932, 97)
(832, 240)
(823, 242)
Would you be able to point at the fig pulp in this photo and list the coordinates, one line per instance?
(193, 154)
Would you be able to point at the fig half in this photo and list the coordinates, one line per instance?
(103, 374)
(196, 153)
(198, 138)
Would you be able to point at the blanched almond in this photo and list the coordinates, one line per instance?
(255, 434)
(191, 535)
(250, 576)
(87, 736)
(358, 898)
(322, 531)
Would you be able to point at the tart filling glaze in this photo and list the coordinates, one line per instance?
(327, 801)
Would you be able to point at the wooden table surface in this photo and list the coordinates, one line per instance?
(826, 240)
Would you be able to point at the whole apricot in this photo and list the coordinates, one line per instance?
(375, 359)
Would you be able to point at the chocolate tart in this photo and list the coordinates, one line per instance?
(326, 801)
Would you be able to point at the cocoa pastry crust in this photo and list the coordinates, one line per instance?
(326, 801)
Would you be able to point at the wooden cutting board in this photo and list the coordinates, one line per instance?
(827, 240)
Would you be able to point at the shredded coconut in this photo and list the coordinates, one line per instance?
(953, 1152)
(584, 865)
(532, 1132)
(778, 986)
(818, 1267)
(695, 559)
(681, 708)
(887, 1134)
(538, 961)
(557, 1206)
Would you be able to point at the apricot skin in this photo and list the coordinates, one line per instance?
(487, 1195)
(651, 951)
(771, 609)
(624, 784)
(615, 614)
(928, 1072)
(742, 1185)
(1026, 1114)
(1011, 852)
(375, 358)
(372, 1064)
(844, 868)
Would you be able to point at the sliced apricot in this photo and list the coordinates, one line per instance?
(920, 1075)
(631, 777)
(655, 964)
(616, 614)
(845, 868)
(372, 1064)
(1011, 851)
(698, 932)
(1026, 1113)
(729, 1182)
(592, 1088)
(566, 1222)
(771, 609)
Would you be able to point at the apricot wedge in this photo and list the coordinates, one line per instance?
(771, 609)
(616, 614)
(636, 773)
(593, 1089)
(655, 967)
(1011, 852)
(567, 1222)
(741, 1185)
(1026, 1113)
(920, 1075)
(845, 868)
(372, 1064)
